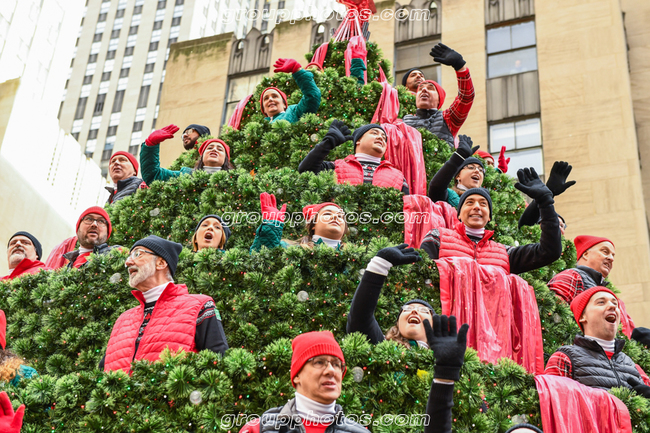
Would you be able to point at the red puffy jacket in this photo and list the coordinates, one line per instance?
(455, 243)
(173, 325)
(25, 266)
(349, 170)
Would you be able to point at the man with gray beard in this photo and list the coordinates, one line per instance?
(23, 255)
(168, 316)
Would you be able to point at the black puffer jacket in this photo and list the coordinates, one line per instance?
(433, 121)
(125, 188)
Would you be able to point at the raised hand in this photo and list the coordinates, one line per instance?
(441, 53)
(338, 133)
(531, 185)
(448, 346)
(503, 162)
(557, 178)
(465, 149)
(358, 49)
(269, 208)
(286, 65)
(10, 422)
(160, 135)
(399, 255)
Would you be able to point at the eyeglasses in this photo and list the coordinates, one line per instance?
(137, 253)
(188, 132)
(320, 363)
(474, 167)
(419, 308)
(88, 220)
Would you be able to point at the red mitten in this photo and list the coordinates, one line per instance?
(286, 65)
(269, 208)
(503, 162)
(10, 422)
(160, 135)
(359, 49)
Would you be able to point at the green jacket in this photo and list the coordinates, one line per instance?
(309, 102)
(150, 165)
(452, 197)
(357, 69)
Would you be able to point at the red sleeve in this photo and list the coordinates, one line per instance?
(251, 427)
(458, 111)
(644, 376)
(567, 284)
(559, 364)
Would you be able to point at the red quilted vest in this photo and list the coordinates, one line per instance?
(173, 325)
(455, 243)
(349, 170)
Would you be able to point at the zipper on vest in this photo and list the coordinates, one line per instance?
(611, 365)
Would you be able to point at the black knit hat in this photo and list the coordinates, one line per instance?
(226, 229)
(529, 426)
(202, 130)
(642, 335)
(407, 73)
(168, 250)
(468, 161)
(417, 301)
(37, 244)
(480, 191)
(360, 131)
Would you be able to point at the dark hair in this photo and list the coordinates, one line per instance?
(227, 165)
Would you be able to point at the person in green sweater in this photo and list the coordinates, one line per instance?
(324, 222)
(214, 156)
(273, 101)
(12, 369)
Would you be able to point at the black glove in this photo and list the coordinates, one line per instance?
(531, 185)
(642, 335)
(447, 345)
(465, 149)
(557, 179)
(641, 389)
(441, 53)
(399, 255)
(338, 133)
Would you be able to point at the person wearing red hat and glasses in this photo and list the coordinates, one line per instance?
(596, 358)
(324, 222)
(93, 231)
(123, 169)
(273, 101)
(430, 96)
(214, 155)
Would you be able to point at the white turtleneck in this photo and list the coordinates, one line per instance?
(211, 169)
(314, 411)
(85, 250)
(368, 158)
(329, 242)
(608, 346)
(153, 294)
(477, 233)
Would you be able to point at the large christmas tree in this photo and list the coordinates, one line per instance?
(60, 321)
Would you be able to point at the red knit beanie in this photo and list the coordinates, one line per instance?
(284, 98)
(204, 146)
(132, 159)
(311, 210)
(3, 330)
(485, 155)
(99, 211)
(310, 344)
(583, 243)
(580, 302)
(439, 89)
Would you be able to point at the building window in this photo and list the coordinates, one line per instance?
(112, 130)
(92, 58)
(171, 41)
(124, 72)
(128, 51)
(416, 55)
(137, 10)
(511, 49)
(75, 135)
(137, 126)
(110, 55)
(157, 25)
(176, 21)
(153, 46)
(149, 67)
(180, 2)
(239, 88)
(92, 134)
(108, 150)
(133, 30)
(117, 102)
(99, 104)
(88, 79)
(162, 4)
(523, 142)
(81, 108)
(106, 76)
(265, 26)
(102, 17)
(144, 96)
(115, 34)
(98, 37)
(119, 13)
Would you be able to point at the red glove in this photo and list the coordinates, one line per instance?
(503, 162)
(286, 65)
(10, 422)
(358, 50)
(269, 209)
(160, 135)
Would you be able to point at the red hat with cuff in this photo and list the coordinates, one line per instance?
(583, 243)
(131, 158)
(204, 146)
(311, 344)
(485, 155)
(282, 95)
(439, 89)
(99, 211)
(580, 302)
(311, 210)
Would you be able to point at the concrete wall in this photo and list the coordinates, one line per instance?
(8, 91)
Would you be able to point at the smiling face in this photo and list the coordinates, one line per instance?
(330, 223)
(600, 257)
(470, 176)
(427, 97)
(411, 322)
(273, 103)
(214, 155)
(93, 231)
(414, 80)
(321, 385)
(20, 247)
(475, 212)
(209, 235)
(120, 168)
(601, 316)
(372, 143)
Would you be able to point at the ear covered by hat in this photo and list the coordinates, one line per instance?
(282, 95)
(99, 211)
(439, 89)
(584, 242)
(310, 344)
(580, 302)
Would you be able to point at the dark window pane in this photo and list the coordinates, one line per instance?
(117, 102)
(77, 43)
(120, 13)
(92, 134)
(98, 37)
(133, 30)
(172, 41)
(179, 2)
(75, 135)
(162, 4)
(92, 58)
(124, 72)
(106, 154)
(112, 130)
(133, 150)
(144, 96)
(88, 79)
(81, 108)
(128, 51)
(176, 21)
(137, 10)
(115, 34)
(153, 46)
(110, 55)
(137, 126)
(66, 84)
(72, 62)
(99, 104)
(106, 76)
(149, 67)
(102, 18)
(157, 25)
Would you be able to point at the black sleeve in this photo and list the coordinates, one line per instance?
(549, 248)
(102, 362)
(440, 181)
(441, 400)
(530, 217)
(315, 160)
(209, 331)
(431, 244)
(405, 188)
(364, 303)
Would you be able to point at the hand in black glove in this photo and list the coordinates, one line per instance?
(338, 133)
(399, 255)
(640, 388)
(465, 148)
(447, 345)
(531, 185)
(557, 179)
(441, 53)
